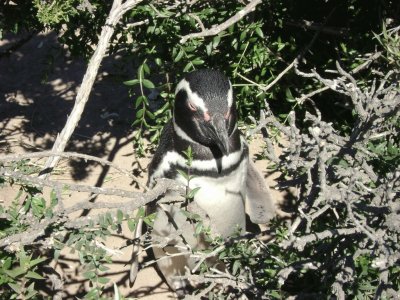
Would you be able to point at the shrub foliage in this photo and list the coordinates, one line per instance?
(321, 79)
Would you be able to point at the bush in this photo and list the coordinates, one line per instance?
(339, 121)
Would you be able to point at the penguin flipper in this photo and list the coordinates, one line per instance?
(259, 203)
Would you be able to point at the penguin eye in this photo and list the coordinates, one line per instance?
(191, 106)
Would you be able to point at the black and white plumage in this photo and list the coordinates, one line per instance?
(205, 118)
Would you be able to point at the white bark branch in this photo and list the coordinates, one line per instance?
(118, 9)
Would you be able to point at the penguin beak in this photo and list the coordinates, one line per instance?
(218, 133)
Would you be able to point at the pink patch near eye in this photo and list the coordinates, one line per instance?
(227, 115)
(191, 106)
(207, 116)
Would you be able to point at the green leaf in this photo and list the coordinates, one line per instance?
(137, 121)
(179, 56)
(236, 266)
(216, 41)
(103, 280)
(198, 229)
(120, 215)
(147, 83)
(158, 61)
(103, 268)
(281, 46)
(146, 68)
(183, 174)
(209, 48)
(139, 113)
(187, 67)
(243, 35)
(275, 294)
(57, 253)
(30, 294)
(38, 202)
(131, 225)
(198, 61)
(131, 82)
(89, 275)
(149, 220)
(150, 114)
(289, 96)
(140, 73)
(53, 198)
(92, 294)
(14, 273)
(6, 264)
(141, 212)
(34, 275)
(27, 204)
(193, 192)
(259, 32)
(139, 100)
(15, 287)
(343, 46)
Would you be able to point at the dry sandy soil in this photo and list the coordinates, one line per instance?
(38, 83)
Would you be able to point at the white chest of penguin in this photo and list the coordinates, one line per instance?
(222, 198)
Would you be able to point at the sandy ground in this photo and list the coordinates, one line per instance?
(38, 83)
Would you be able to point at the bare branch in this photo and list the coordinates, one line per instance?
(69, 186)
(41, 154)
(221, 27)
(12, 242)
(301, 242)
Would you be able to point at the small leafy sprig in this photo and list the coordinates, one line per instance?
(20, 273)
(190, 193)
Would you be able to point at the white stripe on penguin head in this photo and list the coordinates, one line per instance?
(192, 96)
(230, 95)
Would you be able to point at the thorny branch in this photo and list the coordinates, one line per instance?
(38, 229)
(336, 178)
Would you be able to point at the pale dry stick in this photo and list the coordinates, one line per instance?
(167, 255)
(311, 94)
(140, 199)
(300, 242)
(221, 27)
(70, 186)
(198, 20)
(208, 255)
(203, 293)
(280, 75)
(118, 9)
(291, 65)
(285, 272)
(327, 87)
(362, 228)
(41, 154)
(219, 277)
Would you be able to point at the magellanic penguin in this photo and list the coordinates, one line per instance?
(205, 118)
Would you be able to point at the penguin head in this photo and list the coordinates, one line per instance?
(204, 109)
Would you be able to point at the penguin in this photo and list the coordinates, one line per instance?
(227, 182)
